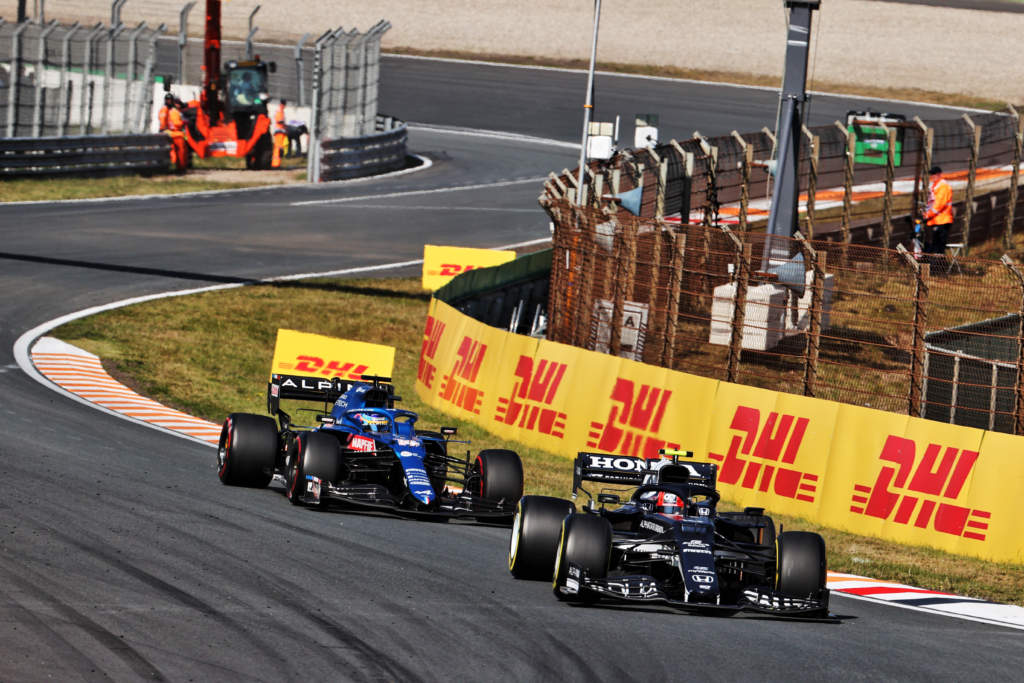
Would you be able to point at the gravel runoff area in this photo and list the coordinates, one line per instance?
(857, 42)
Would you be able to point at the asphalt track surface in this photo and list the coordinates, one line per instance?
(122, 557)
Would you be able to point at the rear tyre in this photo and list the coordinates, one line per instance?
(536, 531)
(586, 541)
(316, 455)
(247, 450)
(801, 566)
(500, 475)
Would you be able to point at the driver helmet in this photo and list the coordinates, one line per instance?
(371, 422)
(665, 503)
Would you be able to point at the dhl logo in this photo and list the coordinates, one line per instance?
(912, 493)
(431, 340)
(452, 269)
(455, 386)
(313, 365)
(534, 391)
(633, 421)
(767, 447)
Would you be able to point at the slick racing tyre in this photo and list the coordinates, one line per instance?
(800, 564)
(586, 542)
(500, 474)
(247, 450)
(316, 455)
(536, 530)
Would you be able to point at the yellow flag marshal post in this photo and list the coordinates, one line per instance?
(315, 355)
(441, 264)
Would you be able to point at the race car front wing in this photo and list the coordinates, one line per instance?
(646, 589)
(449, 504)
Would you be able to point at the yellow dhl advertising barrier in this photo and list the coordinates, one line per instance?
(303, 353)
(441, 264)
(858, 469)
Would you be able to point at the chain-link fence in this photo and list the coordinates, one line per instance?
(58, 80)
(935, 335)
(859, 183)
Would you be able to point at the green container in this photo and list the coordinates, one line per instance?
(872, 146)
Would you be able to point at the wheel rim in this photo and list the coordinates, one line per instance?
(224, 449)
(517, 522)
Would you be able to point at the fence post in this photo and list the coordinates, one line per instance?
(65, 87)
(145, 109)
(584, 315)
(1018, 384)
(890, 172)
(130, 80)
(662, 184)
(814, 142)
(1011, 207)
(315, 122)
(739, 309)
(653, 320)
(813, 342)
(252, 33)
(85, 115)
(37, 109)
(851, 142)
(748, 160)
(183, 38)
(626, 257)
(15, 79)
(972, 172)
(678, 259)
(710, 217)
(917, 358)
(108, 78)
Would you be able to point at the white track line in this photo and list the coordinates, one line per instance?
(81, 368)
(413, 193)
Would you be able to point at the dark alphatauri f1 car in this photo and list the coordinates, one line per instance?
(364, 452)
(667, 544)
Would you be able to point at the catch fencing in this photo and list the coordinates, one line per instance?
(58, 80)
(859, 183)
(935, 336)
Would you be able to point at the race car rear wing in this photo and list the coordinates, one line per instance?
(303, 388)
(327, 390)
(625, 470)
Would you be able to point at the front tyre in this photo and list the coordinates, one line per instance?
(800, 564)
(247, 450)
(315, 455)
(586, 541)
(536, 530)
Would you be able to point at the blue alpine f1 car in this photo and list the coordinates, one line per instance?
(667, 543)
(364, 452)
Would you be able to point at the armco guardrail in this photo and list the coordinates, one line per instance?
(382, 152)
(86, 154)
(513, 296)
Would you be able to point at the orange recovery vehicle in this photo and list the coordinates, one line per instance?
(230, 117)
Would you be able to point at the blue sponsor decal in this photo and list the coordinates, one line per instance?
(416, 475)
